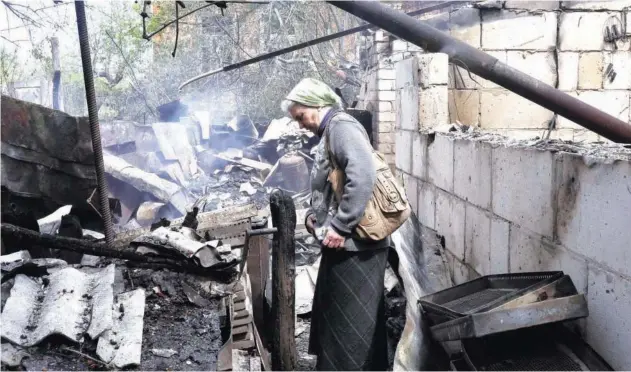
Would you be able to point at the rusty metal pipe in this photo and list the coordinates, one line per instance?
(418, 33)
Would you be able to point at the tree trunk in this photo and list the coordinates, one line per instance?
(54, 45)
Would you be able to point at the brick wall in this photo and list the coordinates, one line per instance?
(503, 206)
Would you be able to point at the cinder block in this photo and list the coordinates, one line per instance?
(385, 106)
(406, 73)
(472, 172)
(613, 102)
(594, 210)
(621, 64)
(523, 189)
(477, 239)
(582, 31)
(419, 156)
(399, 45)
(585, 135)
(609, 323)
(529, 252)
(385, 126)
(464, 25)
(385, 148)
(568, 70)
(596, 5)
(433, 69)
(414, 48)
(386, 74)
(411, 189)
(563, 134)
(426, 211)
(540, 65)
(386, 95)
(407, 109)
(386, 85)
(500, 231)
(450, 222)
(532, 5)
(386, 117)
(381, 35)
(460, 273)
(504, 109)
(464, 106)
(590, 70)
(440, 160)
(403, 158)
(385, 137)
(506, 29)
(433, 106)
(383, 47)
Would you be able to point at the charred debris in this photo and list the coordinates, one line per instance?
(187, 283)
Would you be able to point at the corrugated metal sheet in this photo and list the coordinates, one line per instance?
(70, 303)
(121, 346)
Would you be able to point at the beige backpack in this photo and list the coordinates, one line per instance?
(388, 208)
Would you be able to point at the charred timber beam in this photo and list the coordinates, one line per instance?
(313, 42)
(488, 67)
(28, 238)
(283, 284)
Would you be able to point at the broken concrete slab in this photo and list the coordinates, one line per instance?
(121, 345)
(72, 304)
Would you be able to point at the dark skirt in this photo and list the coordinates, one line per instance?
(348, 327)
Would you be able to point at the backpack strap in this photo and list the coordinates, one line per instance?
(327, 145)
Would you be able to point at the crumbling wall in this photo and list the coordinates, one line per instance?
(559, 43)
(508, 205)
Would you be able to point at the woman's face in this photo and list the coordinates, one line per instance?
(307, 117)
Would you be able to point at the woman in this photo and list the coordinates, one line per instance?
(348, 320)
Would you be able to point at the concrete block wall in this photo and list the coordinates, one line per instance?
(378, 93)
(502, 206)
(560, 43)
(505, 208)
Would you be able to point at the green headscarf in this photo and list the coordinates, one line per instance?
(314, 93)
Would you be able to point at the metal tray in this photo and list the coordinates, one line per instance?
(555, 302)
(551, 348)
(482, 294)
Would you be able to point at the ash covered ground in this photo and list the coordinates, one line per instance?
(170, 322)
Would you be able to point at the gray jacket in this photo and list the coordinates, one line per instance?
(350, 147)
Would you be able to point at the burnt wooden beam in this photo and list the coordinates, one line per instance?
(283, 282)
(27, 238)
